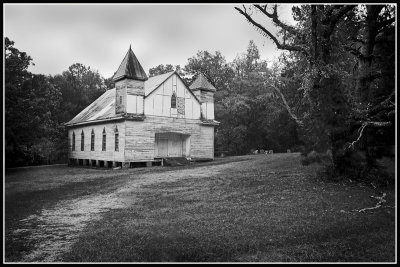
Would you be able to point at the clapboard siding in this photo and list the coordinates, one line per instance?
(140, 137)
(110, 154)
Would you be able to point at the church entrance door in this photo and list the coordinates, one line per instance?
(171, 145)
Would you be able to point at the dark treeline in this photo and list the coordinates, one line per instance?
(337, 81)
(38, 105)
(331, 94)
(251, 116)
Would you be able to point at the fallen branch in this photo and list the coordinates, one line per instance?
(378, 205)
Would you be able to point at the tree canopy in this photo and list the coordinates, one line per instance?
(331, 91)
(37, 106)
(341, 60)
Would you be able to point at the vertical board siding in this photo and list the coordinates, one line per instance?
(159, 102)
(131, 106)
(208, 110)
(134, 104)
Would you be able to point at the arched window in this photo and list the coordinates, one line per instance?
(92, 141)
(173, 100)
(82, 141)
(116, 139)
(73, 141)
(103, 147)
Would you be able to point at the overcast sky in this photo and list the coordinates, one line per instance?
(56, 36)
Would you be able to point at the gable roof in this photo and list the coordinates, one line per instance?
(153, 82)
(102, 108)
(130, 68)
(201, 82)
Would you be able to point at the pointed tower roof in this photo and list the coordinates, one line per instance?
(130, 68)
(201, 82)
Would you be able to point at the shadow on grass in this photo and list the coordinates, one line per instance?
(21, 205)
(182, 243)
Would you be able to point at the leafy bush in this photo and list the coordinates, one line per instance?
(315, 157)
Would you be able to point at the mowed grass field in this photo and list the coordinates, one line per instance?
(260, 208)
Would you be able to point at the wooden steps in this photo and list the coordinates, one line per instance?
(176, 161)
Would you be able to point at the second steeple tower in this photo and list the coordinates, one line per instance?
(129, 85)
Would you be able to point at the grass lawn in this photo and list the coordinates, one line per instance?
(261, 208)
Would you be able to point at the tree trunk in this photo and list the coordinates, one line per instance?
(366, 53)
(365, 77)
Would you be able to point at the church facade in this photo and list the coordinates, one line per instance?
(144, 120)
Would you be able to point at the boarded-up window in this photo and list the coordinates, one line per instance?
(73, 141)
(116, 139)
(181, 105)
(92, 141)
(173, 100)
(82, 141)
(103, 148)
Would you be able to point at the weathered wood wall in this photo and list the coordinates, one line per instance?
(206, 99)
(132, 92)
(137, 140)
(110, 154)
(158, 103)
(172, 145)
(207, 110)
(140, 137)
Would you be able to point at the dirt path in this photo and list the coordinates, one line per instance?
(54, 230)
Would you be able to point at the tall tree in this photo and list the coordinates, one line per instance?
(214, 67)
(161, 69)
(316, 44)
(79, 86)
(32, 104)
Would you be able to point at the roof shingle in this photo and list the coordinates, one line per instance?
(104, 106)
(202, 83)
(153, 82)
(130, 68)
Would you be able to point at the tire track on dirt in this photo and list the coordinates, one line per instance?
(53, 231)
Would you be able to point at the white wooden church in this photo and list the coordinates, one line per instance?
(144, 120)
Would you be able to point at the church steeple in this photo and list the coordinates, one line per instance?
(201, 83)
(204, 91)
(130, 68)
(129, 85)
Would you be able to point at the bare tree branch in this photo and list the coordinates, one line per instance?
(373, 124)
(386, 104)
(286, 105)
(270, 35)
(334, 19)
(278, 22)
(361, 130)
